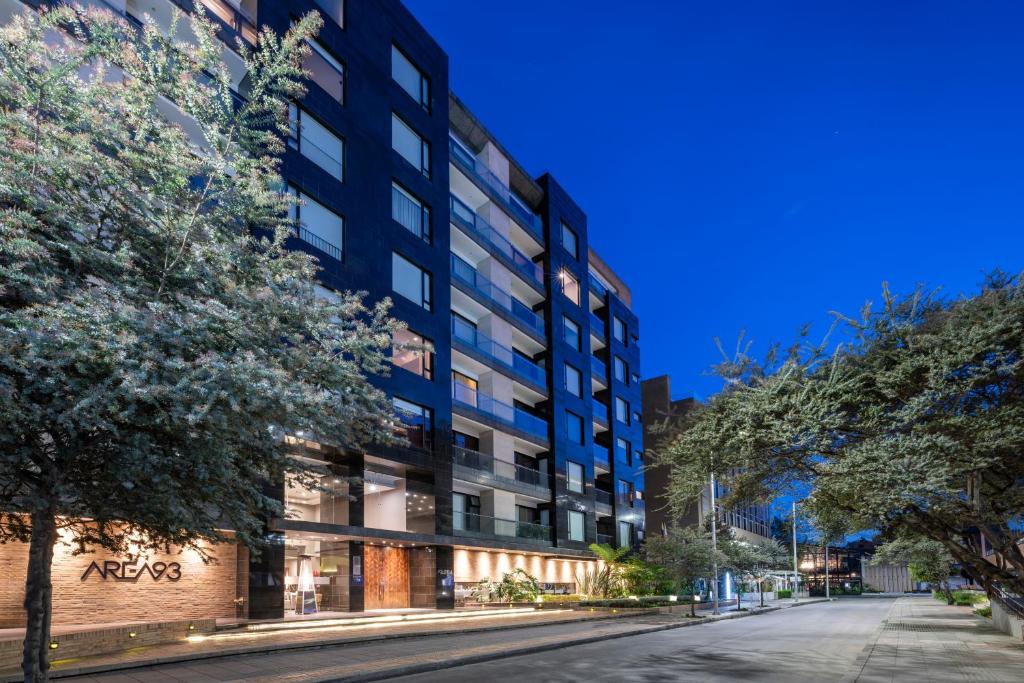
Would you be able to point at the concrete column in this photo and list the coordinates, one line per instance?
(497, 162)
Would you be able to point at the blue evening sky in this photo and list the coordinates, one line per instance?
(753, 165)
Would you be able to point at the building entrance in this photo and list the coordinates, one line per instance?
(387, 577)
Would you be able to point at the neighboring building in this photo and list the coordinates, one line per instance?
(524, 422)
(751, 522)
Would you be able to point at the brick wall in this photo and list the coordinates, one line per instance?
(204, 590)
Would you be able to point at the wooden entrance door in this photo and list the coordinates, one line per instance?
(387, 577)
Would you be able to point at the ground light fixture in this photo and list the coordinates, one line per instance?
(132, 634)
(54, 644)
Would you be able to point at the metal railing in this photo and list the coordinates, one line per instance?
(499, 470)
(320, 243)
(466, 218)
(1010, 602)
(503, 355)
(468, 275)
(512, 415)
(470, 523)
(479, 172)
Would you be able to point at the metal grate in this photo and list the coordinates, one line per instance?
(926, 628)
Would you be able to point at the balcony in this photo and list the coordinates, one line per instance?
(490, 183)
(601, 459)
(600, 411)
(606, 539)
(506, 475)
(234, 17)
(603, 497)
(320, 243)
(468, 276)
(482, 526)
(500, 355)
(477, 227)
(512, 416)
(597, 327)
(599, 369)
(596, 286)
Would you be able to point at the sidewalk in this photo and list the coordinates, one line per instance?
(312, 654)
(927, 640)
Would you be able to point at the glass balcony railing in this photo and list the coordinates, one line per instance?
(479, 172)
(598, 368)
(606, 539)
(503, 355)
(471, 524)
(468, 275)
(601, 456)
(512, 415)
(597, 326)
(597, 286)
(603, 497)
(499, 470)
(600, 411)
(466, 218)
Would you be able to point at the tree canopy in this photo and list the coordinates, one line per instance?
(161, 340)
(914, 422)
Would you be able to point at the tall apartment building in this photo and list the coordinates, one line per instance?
(524, 422)
(747, 521)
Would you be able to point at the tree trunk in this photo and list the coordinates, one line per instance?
(944, 585)
(39, 597)
(760, 589)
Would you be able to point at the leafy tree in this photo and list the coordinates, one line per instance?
(603, 579)
(912, 424)
(160, 341)
(686, 554)
(928, 560)
(640, 577)
(755, 560)
(515, 586)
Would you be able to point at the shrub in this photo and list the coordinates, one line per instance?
(968, 598)
(561, 598)
(984, 612)
(784, 594)
(627, 603)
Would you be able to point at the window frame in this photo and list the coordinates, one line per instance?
(294, 140)
(568, 368)
(570, 467)
(575, 251)
(621, 402)
(426, 358)
(425, 86)
(426, 215)
(577, 515)
(564, 276)
(619, 327)
(571, 417)
(295, 214)
(424, 166)
(617, 364)
(566, 321)
(426, 283)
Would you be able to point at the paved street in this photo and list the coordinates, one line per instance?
(867, 640)
(811, 643)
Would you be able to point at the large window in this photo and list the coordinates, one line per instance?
(325, 70)
(621, 410)
(573, 380)
(419, 359)
(576, 526)
(410, 281)
(570, 241)
(621, 370)
(622, 450)
(574, 476)
(618, 329)
(318, 225)
(410, 145)
(410, 212)
(573, 427)
(335, 9)
(416, 422)
(465, 512)
(571, 332)
(625, 534)
(570, 286)
(315, 142)
(412, 80)
(624, 492)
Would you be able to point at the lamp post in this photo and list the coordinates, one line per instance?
(714, 546)
(828, 595)
(796, 573)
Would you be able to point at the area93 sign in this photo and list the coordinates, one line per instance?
(133, 571)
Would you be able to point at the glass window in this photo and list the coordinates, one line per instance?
(625, 534)
(570, 286)
(317, 225)
(569, 241)
(573, 427)
(621, 370)
(416, 360)
(335, 9)
(325, 70)
(622, 448)
(635, 378)
(316, 142)
(464, 388)
(410, 281)
(573, 381)
(621, 410)
(410, 212)
(624, 492)
(619, 329)
(571, 332)
(574, 476)
(412, 80)
(576, 526)
(410, 145)
(416, 422)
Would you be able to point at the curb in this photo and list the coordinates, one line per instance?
(75, 672)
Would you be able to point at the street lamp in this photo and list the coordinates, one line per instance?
(714, 545)
(796, 573)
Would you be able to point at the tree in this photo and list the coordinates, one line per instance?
(604, 579)
(912, 424)
(686, 554)
(160, 341)
(755, 560)
(928, 560)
